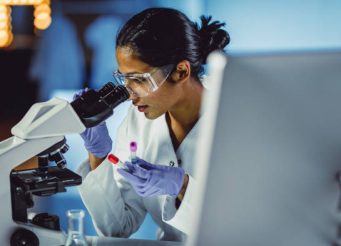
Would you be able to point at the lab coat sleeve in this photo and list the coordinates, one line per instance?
(180, 218)
(114, 206)
(83, 169)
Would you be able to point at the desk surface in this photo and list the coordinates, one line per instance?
(103, 241)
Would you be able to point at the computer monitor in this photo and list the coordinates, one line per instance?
(269, 156)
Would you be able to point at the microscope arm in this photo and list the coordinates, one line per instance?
(41, 129)
(44, 125)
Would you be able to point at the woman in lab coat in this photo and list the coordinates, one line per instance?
(160, 54)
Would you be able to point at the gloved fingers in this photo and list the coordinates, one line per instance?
(126, 174)
(130, 177)
(130, 166)
(97, 140)
(85, 133)
(150, 186)
(149, 166)
(151, 193)
(137, 170)
(100, 128)
(164, 167)
(139, 192)
(143, 184)
(144, 164)
(138, 187)
(141, 171)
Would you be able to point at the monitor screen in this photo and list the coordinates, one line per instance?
(269, 156)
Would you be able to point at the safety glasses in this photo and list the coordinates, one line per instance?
(142, 84)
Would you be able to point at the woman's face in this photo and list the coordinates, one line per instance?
(156, 103)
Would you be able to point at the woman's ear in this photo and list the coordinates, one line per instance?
(182, 71)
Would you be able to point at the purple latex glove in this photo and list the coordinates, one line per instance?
(153, 180)
(96, 139)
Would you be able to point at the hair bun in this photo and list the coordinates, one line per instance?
(212, 36)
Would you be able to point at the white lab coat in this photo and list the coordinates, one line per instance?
(116, 209)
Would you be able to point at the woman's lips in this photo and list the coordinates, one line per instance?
(142, 108)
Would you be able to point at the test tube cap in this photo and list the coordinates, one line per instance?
(113, 159)
(133, 146)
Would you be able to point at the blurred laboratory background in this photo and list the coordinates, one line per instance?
(56, 47)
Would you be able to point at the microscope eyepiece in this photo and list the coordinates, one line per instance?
(93, 107)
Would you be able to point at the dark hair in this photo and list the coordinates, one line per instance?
(162, 36)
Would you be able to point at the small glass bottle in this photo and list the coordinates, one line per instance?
(75, 235)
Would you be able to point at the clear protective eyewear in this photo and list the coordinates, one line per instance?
(142, 84)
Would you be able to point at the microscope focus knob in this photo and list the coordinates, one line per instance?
(65, 148)
(24, 237)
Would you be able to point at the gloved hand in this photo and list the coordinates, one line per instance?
(96, 139)
(153, 180)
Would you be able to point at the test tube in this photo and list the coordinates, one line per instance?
(133, 148)
(114, 160)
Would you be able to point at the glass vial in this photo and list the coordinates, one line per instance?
(75, 235)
